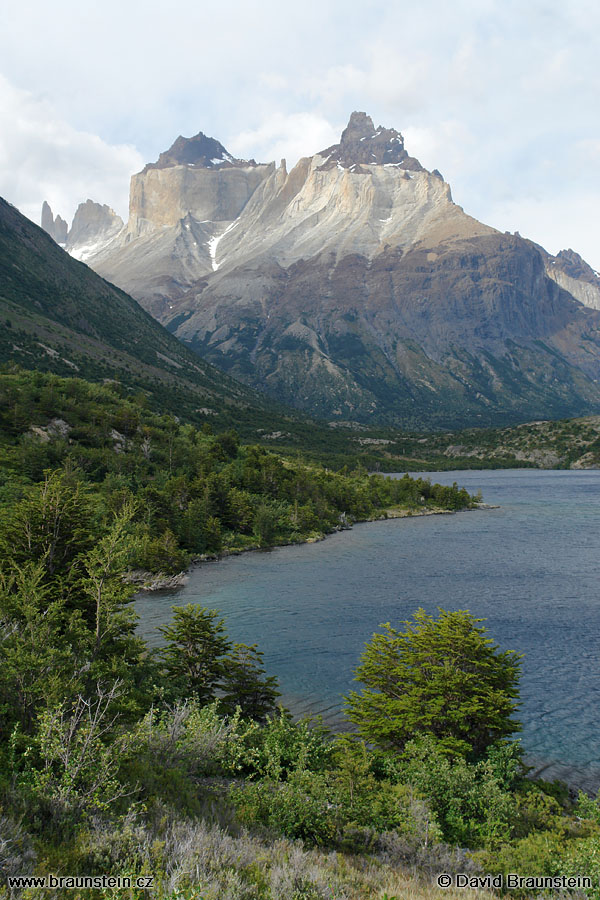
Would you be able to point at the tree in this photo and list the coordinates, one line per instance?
(265, 525)
(246, 685)
(441, 677)
(54, 523)
(194, 654)
(113, 645)
(37, 659)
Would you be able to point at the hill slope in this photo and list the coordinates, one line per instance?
(60, 316)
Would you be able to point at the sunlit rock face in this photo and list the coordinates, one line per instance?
(354, 287)
(573, 274)
(94, 225)
(56, 227)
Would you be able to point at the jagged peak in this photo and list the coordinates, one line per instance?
(199, 151)
(572, 264)
(361, 143)
(56, 227)
(92, 223)
(91, 206)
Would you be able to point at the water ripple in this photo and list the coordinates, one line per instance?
(530, 568)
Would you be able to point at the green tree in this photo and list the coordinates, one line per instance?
(193, 658)
(162, 554)
(37, 660)
(441, 677)
(245, 684)
(265, 525)
(53, 524)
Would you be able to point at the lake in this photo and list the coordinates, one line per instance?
(530, 568)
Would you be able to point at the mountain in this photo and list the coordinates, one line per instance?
(56, 228)
(573, 274)
(354, 287)
(60, 316)
(93, 226)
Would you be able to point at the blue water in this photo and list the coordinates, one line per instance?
(530, 568)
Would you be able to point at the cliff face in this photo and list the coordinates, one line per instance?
(178, 209)
(93, 226)
(353, 286)
(573, 274)
(56, 228)
(163, 196)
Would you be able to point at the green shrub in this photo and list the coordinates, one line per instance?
(298, 808)
(535, 811)
(470, 801)
(282, 747)
(162, 554)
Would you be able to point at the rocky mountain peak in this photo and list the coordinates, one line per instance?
(93, 224)
(360, 126)
(57, 228)
(200, 151)
(362, 143)
(573, 265)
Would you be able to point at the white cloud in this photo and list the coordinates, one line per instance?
(285, 136)
(555, 224)
(450, 141)
(44, 158)
(499, 95)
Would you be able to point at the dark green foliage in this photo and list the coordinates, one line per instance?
(162, 553)
(473, 803)
(343, 806)
(195, 493)
(265, 525)
(35, 667)
(194, 653)
(245, 684)
(51, 524)
(443, 678)
(118, 757)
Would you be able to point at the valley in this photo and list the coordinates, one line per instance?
(126, 457)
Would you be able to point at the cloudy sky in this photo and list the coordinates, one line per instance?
(500, 95)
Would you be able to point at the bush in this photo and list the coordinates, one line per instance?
(162, 554)
(470, 801)
(298, 808)
(443, 678)
(195, 739)
(282, 747)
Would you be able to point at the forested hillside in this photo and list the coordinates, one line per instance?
(192, 492)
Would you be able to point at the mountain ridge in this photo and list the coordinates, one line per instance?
(355, 288)
(62, 317)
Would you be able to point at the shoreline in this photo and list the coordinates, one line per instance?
(577, 776)
(155, 582)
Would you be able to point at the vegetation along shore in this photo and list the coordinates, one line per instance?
(176, 764)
